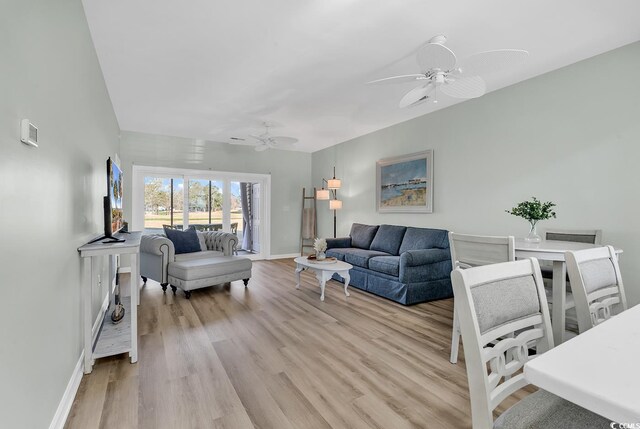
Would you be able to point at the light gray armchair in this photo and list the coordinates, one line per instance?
(157, 252)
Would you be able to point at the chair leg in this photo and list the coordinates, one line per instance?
(164, 286)
(187, 294)
(246, 282)
(174, 289)
(144, 279)
(455, 338)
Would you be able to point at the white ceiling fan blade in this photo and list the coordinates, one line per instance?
(415, 95)
(398, 79)
(261, 148)
(435, 56)
(283, 141)
(243, 143)
(465, 87)
(488, 62)
(259, 138)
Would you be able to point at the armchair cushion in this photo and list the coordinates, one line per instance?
(362, 235)
(197, 255)
(183, 241)
(388, 239)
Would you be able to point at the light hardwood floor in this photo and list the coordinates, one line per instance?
(271, 356)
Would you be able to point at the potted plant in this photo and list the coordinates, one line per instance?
(533, 211)
(320, 246)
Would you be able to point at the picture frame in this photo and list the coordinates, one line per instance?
(404, 184)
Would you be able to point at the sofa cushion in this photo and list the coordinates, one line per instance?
(385, 264)
(197, 255)
(339, 252)
(360, 257)
(362, 235)
(196, 269)
(183, 241)
(388, 239)
(424, 238)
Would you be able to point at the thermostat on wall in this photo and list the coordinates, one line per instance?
(28, 133)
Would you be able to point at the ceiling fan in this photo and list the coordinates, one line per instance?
(440, 71)
(266, 141)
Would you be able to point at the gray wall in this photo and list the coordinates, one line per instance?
(290, 172)
(571, 136)
(51, 198)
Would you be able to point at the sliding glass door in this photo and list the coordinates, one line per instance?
(208, 201)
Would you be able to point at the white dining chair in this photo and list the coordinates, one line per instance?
(590, 236)
(597, 286)
(503, 316)
(472, 251)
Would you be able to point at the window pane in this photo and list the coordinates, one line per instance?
(205, 205)
(157, 203)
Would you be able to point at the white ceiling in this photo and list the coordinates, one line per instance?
(210, 69)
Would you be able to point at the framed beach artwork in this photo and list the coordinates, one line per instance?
(405, 183)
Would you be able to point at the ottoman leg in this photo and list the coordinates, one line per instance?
(246, 282)
(144, 279)
(164, 286)
(187, 294)
(174, 289)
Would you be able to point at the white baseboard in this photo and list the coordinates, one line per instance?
(284, 256)
(60, 417)
(125, 269)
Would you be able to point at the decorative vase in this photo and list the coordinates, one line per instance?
(320, 256)
(533, 236)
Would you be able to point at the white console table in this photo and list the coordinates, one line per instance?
(111, 339)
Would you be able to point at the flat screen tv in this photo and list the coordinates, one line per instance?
(112, 204)
(114, 215)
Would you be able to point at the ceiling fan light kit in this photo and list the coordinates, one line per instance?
(266, 141)
(440, 70)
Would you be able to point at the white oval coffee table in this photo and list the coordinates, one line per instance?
(324, 272)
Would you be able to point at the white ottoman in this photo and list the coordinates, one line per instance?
(198, 273)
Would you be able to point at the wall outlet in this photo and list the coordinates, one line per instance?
(99, 280)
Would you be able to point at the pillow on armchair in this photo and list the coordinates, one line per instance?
(184, 241)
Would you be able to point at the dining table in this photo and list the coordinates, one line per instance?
(553, 250)
(598, 370)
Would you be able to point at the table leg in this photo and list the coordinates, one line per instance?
(299, 269)
(347, 278)
(559, 300)
(89, 280)
(133, 354)
(322, 277)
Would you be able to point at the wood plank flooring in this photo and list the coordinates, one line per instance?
(271, 356)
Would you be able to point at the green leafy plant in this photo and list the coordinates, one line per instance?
(534, 210)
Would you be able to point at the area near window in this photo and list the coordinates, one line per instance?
(207, 200)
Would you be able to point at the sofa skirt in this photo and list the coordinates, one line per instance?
(391, 287)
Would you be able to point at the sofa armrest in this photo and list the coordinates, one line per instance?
(225, 242)
(333, 243)
(157, 245)
(414, 258)
(156, 251)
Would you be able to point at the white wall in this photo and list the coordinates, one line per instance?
(50, 198)
(290, 172)
(571, 136)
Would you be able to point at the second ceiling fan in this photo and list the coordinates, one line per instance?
(440, 71)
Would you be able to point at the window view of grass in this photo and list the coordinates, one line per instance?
(205, 203)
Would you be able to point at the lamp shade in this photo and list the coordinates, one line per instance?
(335, 205)
(334, 183)
(322, 194)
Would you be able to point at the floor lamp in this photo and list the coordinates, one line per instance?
(331, 194)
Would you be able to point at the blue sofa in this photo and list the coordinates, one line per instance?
(405, 264)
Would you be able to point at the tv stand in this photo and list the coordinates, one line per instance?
(110, 339)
